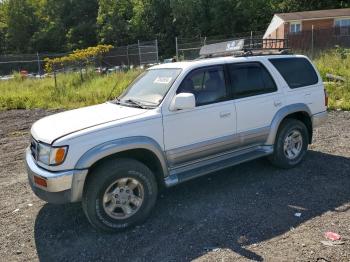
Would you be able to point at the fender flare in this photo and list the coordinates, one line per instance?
(281, 114)
(109, 148)
(119, 145)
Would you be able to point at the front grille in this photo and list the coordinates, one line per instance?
(34, 148)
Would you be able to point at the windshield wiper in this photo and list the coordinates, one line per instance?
(116, 101)
(137, 103)
(128, 101)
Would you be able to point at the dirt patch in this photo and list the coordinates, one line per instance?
(247, 212)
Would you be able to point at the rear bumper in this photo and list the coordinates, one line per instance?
(62, 187)
(319, 118)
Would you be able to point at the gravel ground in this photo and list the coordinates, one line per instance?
(243, 213)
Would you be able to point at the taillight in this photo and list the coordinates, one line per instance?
(325, 98)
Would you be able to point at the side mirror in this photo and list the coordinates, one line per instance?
(183, 101)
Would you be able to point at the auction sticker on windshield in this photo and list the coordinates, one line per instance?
(162, 80)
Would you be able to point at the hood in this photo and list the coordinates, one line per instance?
(55, 126)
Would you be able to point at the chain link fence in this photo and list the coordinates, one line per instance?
(308, 42)
(142, 53)
(33, 63)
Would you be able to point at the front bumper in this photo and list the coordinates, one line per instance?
(62, 187)
(319, 118)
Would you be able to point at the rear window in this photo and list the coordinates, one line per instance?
(297, 71)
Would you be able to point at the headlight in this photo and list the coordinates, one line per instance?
(51, 156)
(44, 153)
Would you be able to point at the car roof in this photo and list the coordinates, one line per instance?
(184, 65)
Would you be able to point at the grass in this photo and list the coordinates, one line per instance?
(71, 92)
(336, 62)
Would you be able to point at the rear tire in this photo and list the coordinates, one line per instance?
(120, 193)
(291, 144)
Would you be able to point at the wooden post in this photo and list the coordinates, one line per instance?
(138, 44)
(177, 49)
(39, 66)
(251, 39)
(127, 55)
(312, 41)
(81, 72)
(157, 50)
(54, 75)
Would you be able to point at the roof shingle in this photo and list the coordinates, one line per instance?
(315, 14)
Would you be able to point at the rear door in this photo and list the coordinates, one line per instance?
(257, 99)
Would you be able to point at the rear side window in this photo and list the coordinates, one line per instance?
(249, 79)
(296, 71)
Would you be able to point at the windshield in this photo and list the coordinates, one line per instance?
(150, 88)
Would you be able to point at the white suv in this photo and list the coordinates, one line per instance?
(175, 122)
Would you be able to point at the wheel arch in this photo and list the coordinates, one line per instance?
(296, 111)
(143, 149)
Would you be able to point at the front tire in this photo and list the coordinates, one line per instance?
(291, 144)
(120, 193)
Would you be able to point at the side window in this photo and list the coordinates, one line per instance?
(207, 85)
(249, 79)
(296, 71)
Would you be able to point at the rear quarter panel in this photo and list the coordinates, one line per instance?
(312, 95)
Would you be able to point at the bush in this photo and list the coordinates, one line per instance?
(336, 62)
(82, 57)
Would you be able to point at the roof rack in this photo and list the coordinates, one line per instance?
(246, 47)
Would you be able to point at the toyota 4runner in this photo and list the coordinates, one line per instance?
(175, 122)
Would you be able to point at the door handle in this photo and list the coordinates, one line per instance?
(225, 114)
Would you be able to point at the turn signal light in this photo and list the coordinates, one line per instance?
(40, 181)
(60, 154)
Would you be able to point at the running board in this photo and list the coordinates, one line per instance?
(187, 172)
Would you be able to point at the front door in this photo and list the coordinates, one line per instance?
(207, 129)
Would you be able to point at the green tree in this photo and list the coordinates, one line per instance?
(3, 27)
(307, 5)
(66, 25)
(22, 23)
(140, 24)
(113, 21)
(160, 17)
(50, 37)
(80, 24)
